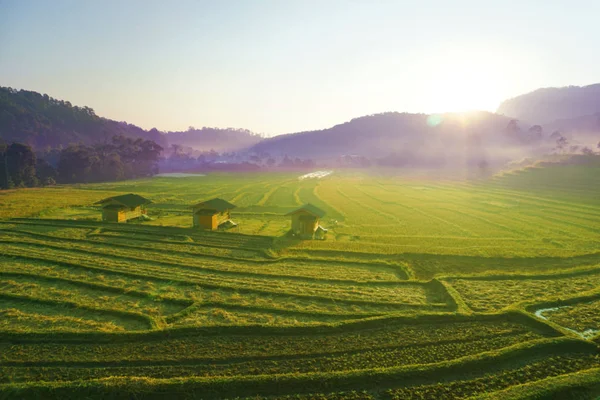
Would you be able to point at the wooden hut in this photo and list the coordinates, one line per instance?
(305, 221)
(212, 213)
(123, 208)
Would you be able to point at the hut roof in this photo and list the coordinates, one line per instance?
(215, 204)
(128, 200)
(311, 209)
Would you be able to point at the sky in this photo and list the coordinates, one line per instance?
(281, 66)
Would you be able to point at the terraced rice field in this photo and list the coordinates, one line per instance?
(421, 290)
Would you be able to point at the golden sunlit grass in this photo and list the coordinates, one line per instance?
(416, 280)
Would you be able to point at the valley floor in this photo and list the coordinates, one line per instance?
(422, 290)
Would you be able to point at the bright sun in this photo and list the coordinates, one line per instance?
(464, 81)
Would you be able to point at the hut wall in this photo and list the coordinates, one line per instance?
(301, 225)
(121, 215)
(296, 224)
(131, 213)
(309, 227)
(210, 221)
(110, 215)
(205, 221)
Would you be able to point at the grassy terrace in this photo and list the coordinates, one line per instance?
(422, 289)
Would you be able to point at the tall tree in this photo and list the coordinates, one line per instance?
(45, 172)
(561, 144)
(535, 132)
(5, 182)
(76, 164)
(20, 162)
(512, 129)
(122, 158)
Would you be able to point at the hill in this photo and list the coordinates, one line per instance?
(220, 140)
(398, 139)
(40, 121)
(545, 105)
(416, 138)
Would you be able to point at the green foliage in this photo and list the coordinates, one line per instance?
(120, 159)
(30, 117)
(19, 164)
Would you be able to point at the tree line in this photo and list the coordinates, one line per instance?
(120, 158)
(179, 158)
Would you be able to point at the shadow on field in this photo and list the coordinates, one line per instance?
(426, 266)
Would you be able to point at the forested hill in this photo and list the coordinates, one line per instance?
(409, 136)
(40, 121)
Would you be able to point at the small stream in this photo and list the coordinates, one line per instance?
(177, 175)
(587, 334)
(315, 175)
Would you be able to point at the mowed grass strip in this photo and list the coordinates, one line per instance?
(165, 285)
(222, 314)
(373, 380)
(340, 361)
(140, 249)
(400, 293)
(194, 348)
(86, 293)
(28, 315)
(392, 245)
(426, 266)
(497, 293)
(536, 371)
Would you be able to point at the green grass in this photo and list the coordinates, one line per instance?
(550, 367)
(495, 294)
(580, 315)
(422, 289)
(27, 315)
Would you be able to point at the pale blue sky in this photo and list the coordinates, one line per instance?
(278, 66)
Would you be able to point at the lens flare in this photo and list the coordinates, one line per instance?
(434, 120)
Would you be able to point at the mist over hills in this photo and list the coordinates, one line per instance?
(544, 106)
(409, 139)
(219, 140)
(585, 127)
(526, 125)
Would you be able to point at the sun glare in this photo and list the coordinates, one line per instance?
(464, 81)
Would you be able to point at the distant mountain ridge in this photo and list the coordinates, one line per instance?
(544, 106)
(400, 138)
(381, 134)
